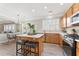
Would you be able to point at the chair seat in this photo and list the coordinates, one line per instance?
(20, 42)
(31, 44)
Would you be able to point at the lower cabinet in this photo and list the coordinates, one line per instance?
(77, 49)
(77, 52)
(54, 38)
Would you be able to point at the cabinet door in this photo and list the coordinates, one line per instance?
(77, 49)
(69, 12)
(52, 38)
(63, 22)
(75, 7)
(77, 52)
(49, 38)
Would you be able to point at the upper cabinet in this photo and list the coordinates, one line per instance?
(66, 18)
(75, 7)
(69, 12)
(63, 22)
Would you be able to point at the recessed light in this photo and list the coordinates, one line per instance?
(50, 12)
(17, 14)
(61, 3)
(45, 7)
(33, 10)
(50, 16)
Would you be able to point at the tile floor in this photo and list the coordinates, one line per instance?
(49, 49)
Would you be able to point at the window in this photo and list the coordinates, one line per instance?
(51, 25)
(9, 28)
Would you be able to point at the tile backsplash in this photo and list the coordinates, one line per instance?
(69, 30)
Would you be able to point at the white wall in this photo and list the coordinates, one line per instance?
(3, 38)
(1, 28)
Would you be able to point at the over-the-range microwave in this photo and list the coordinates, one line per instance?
(75, 19)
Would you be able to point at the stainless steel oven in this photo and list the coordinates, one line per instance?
(69, 48)
(69, 45)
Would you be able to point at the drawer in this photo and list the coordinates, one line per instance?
(77, 52)
(77, 46)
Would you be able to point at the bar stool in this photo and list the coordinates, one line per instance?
(19, 49)
(32, 45)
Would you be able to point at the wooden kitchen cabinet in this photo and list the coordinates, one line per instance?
(75, 7)
(69, 12)
(63, 22)
(54, 38)
(77, 52)
(72, 10)
(77, 49)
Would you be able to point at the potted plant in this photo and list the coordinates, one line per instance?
(32, 29)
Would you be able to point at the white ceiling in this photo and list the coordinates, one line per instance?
(9, 11)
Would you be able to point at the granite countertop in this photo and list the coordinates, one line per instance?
(31, 36)
(76, 40)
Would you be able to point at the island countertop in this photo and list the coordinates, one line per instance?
(77, 40)
(31, 36)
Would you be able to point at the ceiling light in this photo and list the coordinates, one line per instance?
(61, 3)
(45, 7)
(50, 12)
(33, 10)
(49, 17)
(17, 14)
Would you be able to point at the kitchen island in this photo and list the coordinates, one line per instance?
(35, 38)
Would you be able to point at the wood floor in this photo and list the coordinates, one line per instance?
(49, 49)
